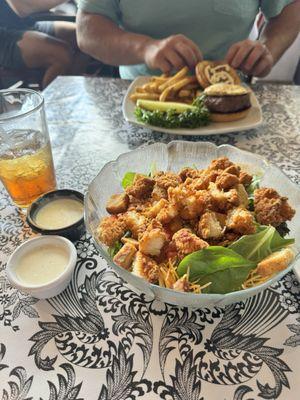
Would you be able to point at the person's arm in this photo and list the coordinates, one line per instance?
(101, 38)
(259, 56)
(26, 7)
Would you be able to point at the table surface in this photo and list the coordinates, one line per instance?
(101, 340)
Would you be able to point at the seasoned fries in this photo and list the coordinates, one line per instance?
(181, 87)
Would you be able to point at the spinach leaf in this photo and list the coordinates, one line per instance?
(259, 245)
(223, 267)
(128, 179)
(113, 250)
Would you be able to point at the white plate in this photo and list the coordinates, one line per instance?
(252, 120)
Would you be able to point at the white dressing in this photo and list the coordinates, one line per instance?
(59, 213)
(42, 264)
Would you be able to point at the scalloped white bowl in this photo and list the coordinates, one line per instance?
(173, 157)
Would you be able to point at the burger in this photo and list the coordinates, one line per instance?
(227, 102)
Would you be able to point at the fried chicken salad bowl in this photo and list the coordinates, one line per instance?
(193, 224)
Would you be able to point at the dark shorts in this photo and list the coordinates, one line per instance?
(10, 53)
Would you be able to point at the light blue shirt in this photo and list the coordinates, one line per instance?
(214, 25)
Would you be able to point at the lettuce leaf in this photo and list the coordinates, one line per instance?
(128, 179)
(171, 119)
(223, 267)
(259, 245)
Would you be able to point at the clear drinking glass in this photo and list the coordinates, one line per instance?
(26, 164)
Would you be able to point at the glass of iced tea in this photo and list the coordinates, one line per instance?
(26, 164)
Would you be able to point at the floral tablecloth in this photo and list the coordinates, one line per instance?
(101, 340)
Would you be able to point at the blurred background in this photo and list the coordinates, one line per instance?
(287, 69)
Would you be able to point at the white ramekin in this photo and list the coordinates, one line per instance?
(55, 286)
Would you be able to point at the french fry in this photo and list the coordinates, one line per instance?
(140, 89)
(147, 87)
(176, 87)
(154, 87)
(145, 96)
(159, 79)
(180, 74)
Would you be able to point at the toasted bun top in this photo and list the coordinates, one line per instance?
(225, 89)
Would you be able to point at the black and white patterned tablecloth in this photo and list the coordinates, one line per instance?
(101, 340)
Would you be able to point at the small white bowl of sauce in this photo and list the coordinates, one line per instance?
(58, 213)
(42, 266)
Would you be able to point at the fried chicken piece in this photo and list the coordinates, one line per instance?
(226, 181)
(167, 213)
(195, 205)
(233, 170)
(139, 205)
(145, 267)
(167, 179)
(220, 163)
(203, 181)
(136, 223)
(178, 194)
(141, 188)
(118, 203)
(153, 240)
(188, 172)
(170, 250)
(209, 226)
(223, 201)
(182, 284)
(242, 195)
(270, 208)
(125, 255)
(111, 229)
(187, 242)
(241, 221)
(159, 193)
(275, 262)
(156, 208)
(130, 240)
(245, 178)
(174, 225)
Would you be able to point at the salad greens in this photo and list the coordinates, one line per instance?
(251, 188)
(223, 267)
(253, 185)
(113, 250)
(259, 245)
(171, 119)
(128, 179)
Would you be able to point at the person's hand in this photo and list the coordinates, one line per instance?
(251, 57)
(171, 53)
